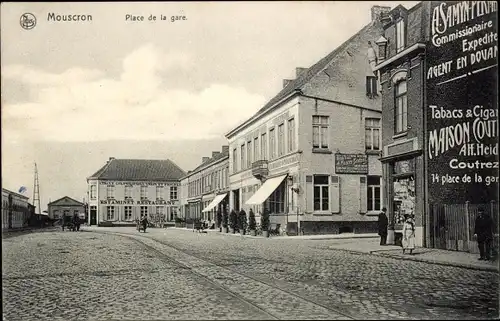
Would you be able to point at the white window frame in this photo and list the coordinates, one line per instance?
(160, 192)
(272, 143)
(256, 149)
(371, 127)
(110, 191)
(291, 134)
(321, 196)
(281, 139)
(372, 86)
(235, 160)
(144, 192)
(322, 124)
(400, 108)
(371, 190)
(110, 213)
(400, 35)
(263, 146)
(242, 157)
(249, 154)
(93, 192)
(173, 193)
(128, 192)
(144, 210)
(173, 213)
(127, 213)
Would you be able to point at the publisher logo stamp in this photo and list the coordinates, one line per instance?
(27, 21)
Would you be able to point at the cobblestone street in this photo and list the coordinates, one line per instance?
(178, 274)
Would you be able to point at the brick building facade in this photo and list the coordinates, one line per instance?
(327, 179)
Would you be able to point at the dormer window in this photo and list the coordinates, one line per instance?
(400, 35)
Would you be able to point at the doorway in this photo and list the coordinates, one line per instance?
(236, 200)
(93, 215)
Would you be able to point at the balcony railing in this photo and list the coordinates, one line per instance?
(260, 169)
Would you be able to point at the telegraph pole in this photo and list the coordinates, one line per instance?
(36, 193)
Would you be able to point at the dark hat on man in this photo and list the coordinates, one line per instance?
(384, 209)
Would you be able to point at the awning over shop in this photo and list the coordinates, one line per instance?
(265, 190)
(214, 202)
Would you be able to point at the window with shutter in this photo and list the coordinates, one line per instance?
(362, 194)
(309, 193)
(335, 193)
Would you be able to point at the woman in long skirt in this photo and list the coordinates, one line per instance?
(408, 234)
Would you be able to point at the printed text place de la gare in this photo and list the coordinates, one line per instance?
(51, 16)
(152, 17)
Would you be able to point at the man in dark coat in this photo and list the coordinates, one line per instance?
(483, 232)
(383, 222)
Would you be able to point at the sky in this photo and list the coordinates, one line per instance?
(76, 93)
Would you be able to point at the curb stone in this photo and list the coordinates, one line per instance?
(444, 263)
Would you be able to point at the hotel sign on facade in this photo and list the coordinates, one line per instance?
(351, 163)
(462, 105)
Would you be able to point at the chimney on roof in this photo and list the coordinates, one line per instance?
(225, 149)
(215, 154)
(379, 11)
(299, 71)
(204, 159)
(286, 82)
(110, 159)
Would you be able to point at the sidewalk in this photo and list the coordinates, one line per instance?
(368, 244)
(428, 255)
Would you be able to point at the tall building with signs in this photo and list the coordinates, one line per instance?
(438, 67)
(123, 190)
(310, 155)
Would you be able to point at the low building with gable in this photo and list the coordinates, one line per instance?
(123, 190)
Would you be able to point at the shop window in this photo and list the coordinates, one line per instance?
(93, 192)
(110, 213)
(371, 86)
(320, 132)
(276, 202)
(373, 191)
(321, 192)
(144, 192)
(372, 134)
(401, 108)
(400, 35)
(110, 191)
(128, 213)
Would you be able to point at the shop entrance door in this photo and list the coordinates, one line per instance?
(93, 215)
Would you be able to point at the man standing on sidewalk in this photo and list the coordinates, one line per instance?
(483, 232)
(383, 222)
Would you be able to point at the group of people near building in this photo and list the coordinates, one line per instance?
(483, 232)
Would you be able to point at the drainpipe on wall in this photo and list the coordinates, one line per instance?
(426, 220)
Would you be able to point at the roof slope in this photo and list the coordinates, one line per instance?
(139, 170)
(208, 162)
(66, 200)
(298, 83)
